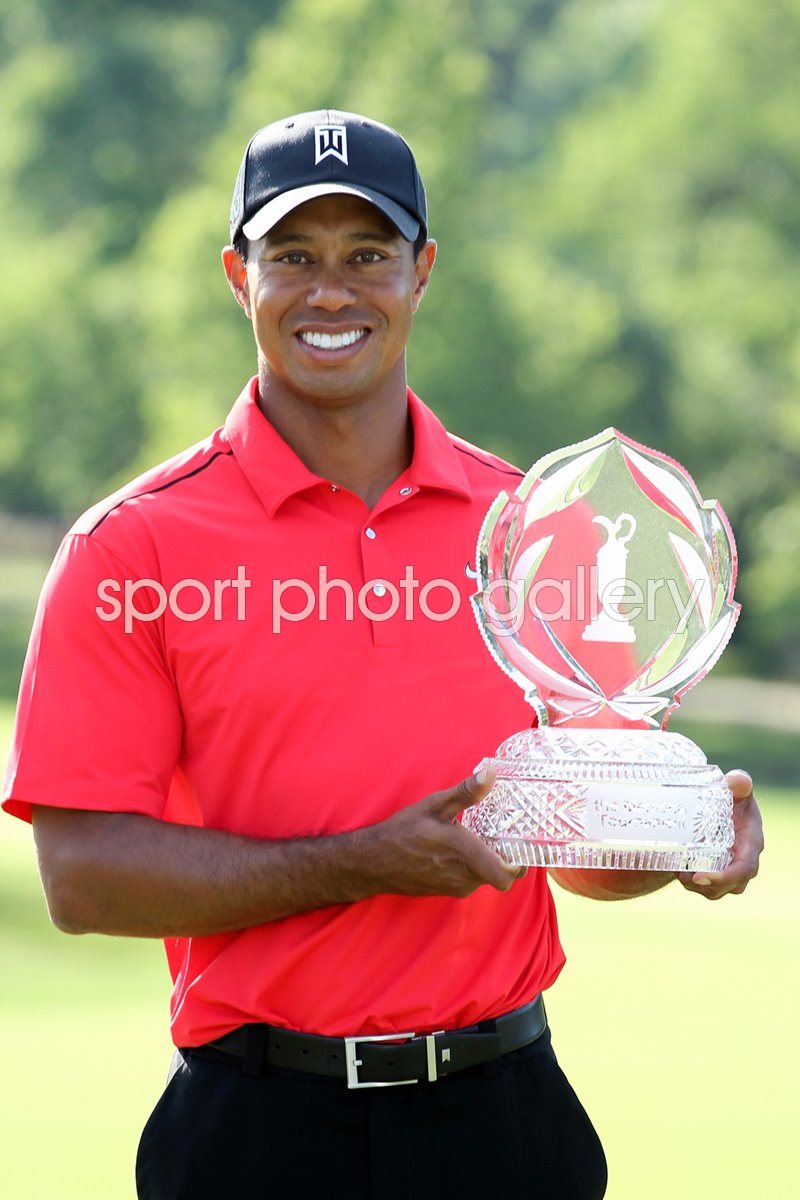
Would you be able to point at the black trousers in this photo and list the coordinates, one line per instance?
(513, 1127)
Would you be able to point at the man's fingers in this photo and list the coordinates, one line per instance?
(705, 883)
(716, 884)
(487, 866)
(483, 862)
(733, 878)
(747, 847)
(470, 791)
(439, 850)
(740, 784)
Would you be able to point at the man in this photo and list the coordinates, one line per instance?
(253, 686)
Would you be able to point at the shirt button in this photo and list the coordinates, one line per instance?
(334, 487)
(406, 491)
(370, 532)
(379, 589)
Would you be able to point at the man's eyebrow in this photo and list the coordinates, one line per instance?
(370, 235)
(279, 239)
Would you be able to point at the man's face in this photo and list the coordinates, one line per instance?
(331, 291)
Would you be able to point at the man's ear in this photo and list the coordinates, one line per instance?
(236, 272)
(423, 267)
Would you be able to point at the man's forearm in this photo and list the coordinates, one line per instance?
(133, 876)
(611, 885)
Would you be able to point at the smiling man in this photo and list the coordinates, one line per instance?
(357, 979)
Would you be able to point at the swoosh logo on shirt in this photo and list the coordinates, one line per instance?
(468, 571)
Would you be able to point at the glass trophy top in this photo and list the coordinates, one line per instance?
(605, 584)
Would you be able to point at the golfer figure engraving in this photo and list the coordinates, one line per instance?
(611, 625)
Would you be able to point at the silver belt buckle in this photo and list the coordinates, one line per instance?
(352, 1063)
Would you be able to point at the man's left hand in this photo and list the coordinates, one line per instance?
(747, 846)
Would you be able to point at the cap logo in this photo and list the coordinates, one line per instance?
(330, 140)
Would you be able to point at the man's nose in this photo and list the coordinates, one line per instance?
(330, 290)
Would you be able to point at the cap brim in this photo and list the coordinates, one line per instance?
(275, 210)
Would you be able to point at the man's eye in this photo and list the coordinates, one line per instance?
(368, 256)
(293, 257)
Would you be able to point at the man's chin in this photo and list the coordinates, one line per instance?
(330, 387)
(331, 391)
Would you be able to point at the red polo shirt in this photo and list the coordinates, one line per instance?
(216, 708)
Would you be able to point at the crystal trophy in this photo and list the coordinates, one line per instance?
(606, 592)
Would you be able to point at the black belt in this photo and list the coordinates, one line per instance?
(385, 1060)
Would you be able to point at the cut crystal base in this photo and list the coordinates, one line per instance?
(641, 800)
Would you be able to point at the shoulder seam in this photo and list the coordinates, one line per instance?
(505, 470)
(103, 546)
(161, 488)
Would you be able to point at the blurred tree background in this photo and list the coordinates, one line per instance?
(613, 188)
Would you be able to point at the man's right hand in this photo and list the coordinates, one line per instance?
(422, 850)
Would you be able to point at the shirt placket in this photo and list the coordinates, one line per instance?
(384, 600)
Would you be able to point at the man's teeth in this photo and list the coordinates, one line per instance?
(333, 341)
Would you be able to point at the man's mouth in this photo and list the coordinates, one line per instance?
(332, 341)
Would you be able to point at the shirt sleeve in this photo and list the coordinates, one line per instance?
(98, 723)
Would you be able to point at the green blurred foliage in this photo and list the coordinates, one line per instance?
(106, 108)
(613, 188)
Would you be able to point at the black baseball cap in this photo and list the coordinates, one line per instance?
(316, 153)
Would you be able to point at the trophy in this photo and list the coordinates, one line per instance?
(606, 592)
